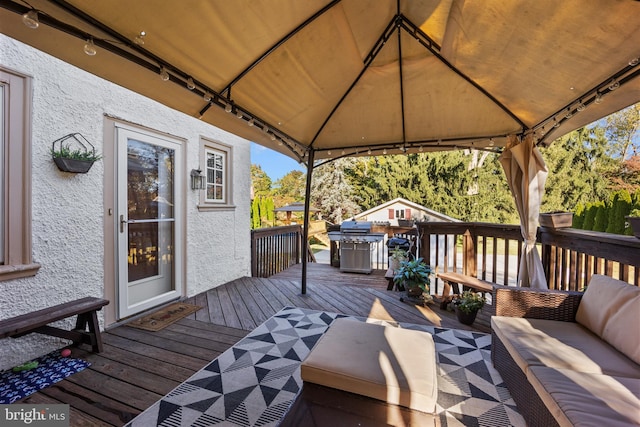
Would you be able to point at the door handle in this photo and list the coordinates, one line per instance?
(122, 223)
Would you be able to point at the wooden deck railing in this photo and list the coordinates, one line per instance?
(492, 252)
(570, 257)
(488, 251)
(275, 249)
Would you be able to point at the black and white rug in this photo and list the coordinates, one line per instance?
(254, 382)
(47, 370)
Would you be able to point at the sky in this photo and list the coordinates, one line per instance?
(275, 165)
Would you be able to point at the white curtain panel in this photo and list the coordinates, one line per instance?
(526, 174)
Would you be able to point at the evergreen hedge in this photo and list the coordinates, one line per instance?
(608, 216)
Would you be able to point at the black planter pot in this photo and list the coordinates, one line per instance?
(634, 223)
(73, 165)
(466, 318)
(413, 291)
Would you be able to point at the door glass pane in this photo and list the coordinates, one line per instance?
(150, 201)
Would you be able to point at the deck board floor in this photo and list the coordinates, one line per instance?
(138, 367)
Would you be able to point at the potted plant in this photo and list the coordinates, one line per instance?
(73, 153)
(467, 305)
(413, 276)
(397, 256)
(634, 222)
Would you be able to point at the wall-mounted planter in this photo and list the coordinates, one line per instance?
(634, 223)
(73, 153)
(556, 219)
(72, 165)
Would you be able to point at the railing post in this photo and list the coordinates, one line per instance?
(254, 255)
(469, 265)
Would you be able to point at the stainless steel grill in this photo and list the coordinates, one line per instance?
(356, 241)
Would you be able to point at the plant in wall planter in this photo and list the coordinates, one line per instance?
(73, 153)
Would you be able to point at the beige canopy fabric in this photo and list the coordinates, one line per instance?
(357, 77)
(323, 79)
(526, 174)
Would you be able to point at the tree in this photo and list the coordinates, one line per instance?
(601, 219)
(590, 215)
(290, 188)
(255, 213)
(622, 130)
(270, 206)
(578, 216)
(263, 208)
(576, 163)
(332, 193)
(620, 207)
(260, 182)
(627, 177)
(440, 181)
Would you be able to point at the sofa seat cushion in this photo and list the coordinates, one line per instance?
(394, 365)
(561, 345)
(581, 399)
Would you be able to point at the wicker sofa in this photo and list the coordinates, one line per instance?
(570, 358)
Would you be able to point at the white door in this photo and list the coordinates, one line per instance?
(149, 220)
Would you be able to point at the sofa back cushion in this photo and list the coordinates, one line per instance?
(610, 308)
(621, 331)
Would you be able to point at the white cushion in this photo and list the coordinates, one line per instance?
(621, 331)
(394, 365)
(610, 308)
(604, 297)
(561, 345)
(582, 399)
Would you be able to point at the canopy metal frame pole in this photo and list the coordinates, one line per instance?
(305, 230)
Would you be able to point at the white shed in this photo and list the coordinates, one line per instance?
(400, 210)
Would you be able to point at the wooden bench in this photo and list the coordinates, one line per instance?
(85, 308)
(454, 280)
(389, 276)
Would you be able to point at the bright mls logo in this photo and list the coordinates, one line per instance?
(34, 415)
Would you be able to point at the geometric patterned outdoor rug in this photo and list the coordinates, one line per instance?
(256, 381)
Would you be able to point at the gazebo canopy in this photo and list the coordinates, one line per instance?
(356, 77)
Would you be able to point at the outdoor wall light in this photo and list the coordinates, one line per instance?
(197, 180)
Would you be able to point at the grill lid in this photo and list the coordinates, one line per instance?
(355, 227)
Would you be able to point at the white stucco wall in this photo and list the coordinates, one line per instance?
(68, 209)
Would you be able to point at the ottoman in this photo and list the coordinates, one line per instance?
(393, 365)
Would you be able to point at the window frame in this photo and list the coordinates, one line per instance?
(17, 261)
(206, 146)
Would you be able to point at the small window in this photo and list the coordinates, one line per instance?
(400, 213)
(216, 167)
(217, 161)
